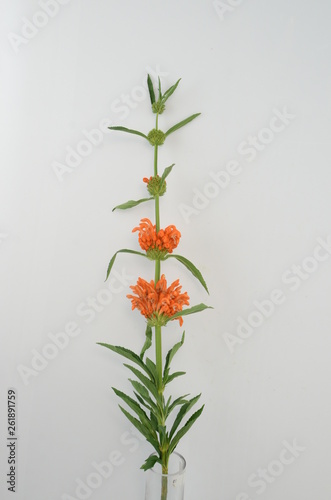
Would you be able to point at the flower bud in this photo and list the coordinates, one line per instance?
(156, 137)
(154, 186)
(158, 107)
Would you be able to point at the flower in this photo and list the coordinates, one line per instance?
(158, 303)
(155, 185)
(153, 242)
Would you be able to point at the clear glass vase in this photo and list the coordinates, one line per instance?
(166, 486)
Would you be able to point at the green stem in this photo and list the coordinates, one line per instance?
(158, 337)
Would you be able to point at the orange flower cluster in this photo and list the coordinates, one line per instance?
(158, 303)
(165, 240)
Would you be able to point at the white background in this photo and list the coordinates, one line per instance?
(268, 391)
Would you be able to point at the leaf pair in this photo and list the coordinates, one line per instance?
(134, 203)
(183, 260)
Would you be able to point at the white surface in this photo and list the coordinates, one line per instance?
(57, 237)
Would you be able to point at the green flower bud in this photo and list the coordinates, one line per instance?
(154, 186)
(156, 137)
(158, 107)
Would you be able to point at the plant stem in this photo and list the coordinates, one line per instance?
(158, 337)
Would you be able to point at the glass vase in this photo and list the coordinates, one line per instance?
(166, 486)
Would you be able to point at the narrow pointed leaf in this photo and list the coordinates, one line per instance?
(150, 89)
(181, 414)
(129, 131)
(184, 429)
(152, 367)
(150, 462)
(160, 93)
(181, 124)
(191, 267)
(172, 376)
(123, 250)
(165, 174)
(191, 310)
(138, 425)
(170, 91)
(130, 355)
(171, 354)
(145, 381)
(135, 407)
(144, 394)
(131, 204)
(179, 401)
(148, 341)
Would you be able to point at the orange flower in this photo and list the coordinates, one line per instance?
(158, 303)
(165, 240)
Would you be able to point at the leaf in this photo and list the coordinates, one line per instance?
(179, 401)
(170, 91)
(191, 267)
(184, 429)
(160, 93)
(138, 425)
(173, 375)
(171, 354)
(145, 381)
(129, 131)
(124, 250)
(151, 89)
(143, 395)
(165, 174)
(136, 408)
(181, 124)
(181, 414)
(150, 462)
(152, 367)
(148, 341)
(132, 356)
(131, 203)
(190, 310)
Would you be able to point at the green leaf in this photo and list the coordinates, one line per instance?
(171, 354)
(181, 414)
(179, 401)
(160, 93)
(165, 174)
(150, 462)
(184, 429)
(129, 131)
(170, 91)
(144, 395)
(136, 408)
(148, 341)
(152, 367)
(172, 376)
(138, 425)
(191, 310)
(131, 203)
(132, 356)
(124, 250)
(191, 267)
(181, 124)
(151, 89)
(145, 381)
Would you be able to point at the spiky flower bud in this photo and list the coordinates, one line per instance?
(158, 107)
(156, 137)
(154, 185)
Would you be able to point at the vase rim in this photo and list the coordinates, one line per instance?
(178, 472)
